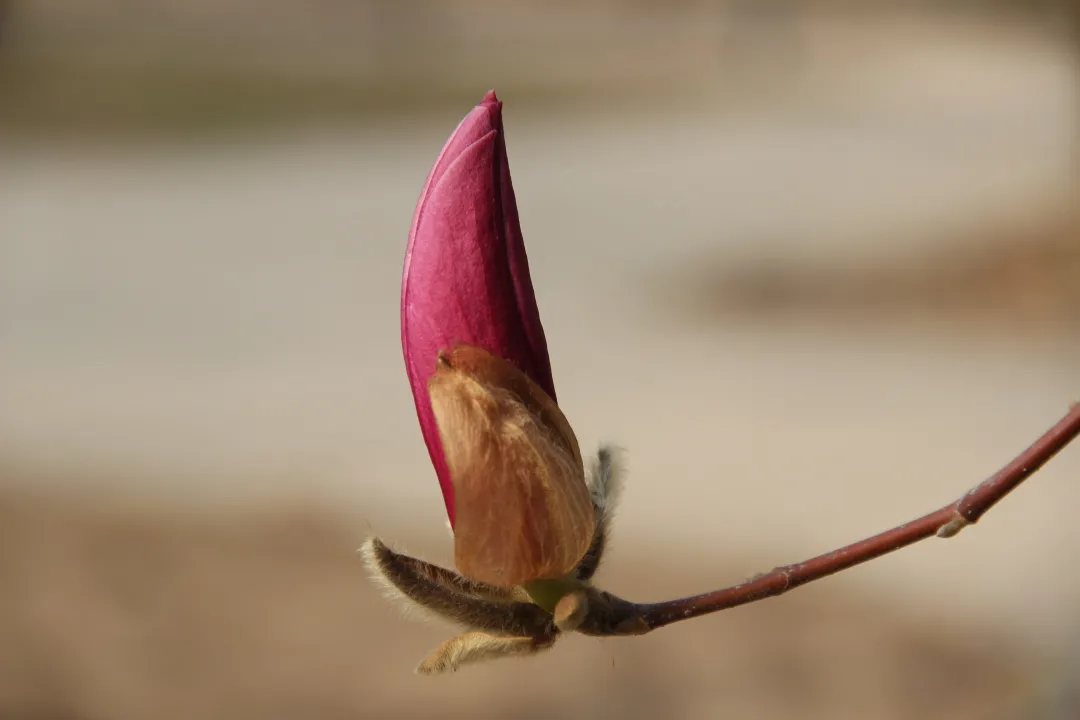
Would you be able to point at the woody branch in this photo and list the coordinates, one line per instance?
(944, 523)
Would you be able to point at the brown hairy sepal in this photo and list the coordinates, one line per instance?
(522, 508)
(519, 620)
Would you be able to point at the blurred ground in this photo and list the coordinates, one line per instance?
(119, 614)
(816, 280)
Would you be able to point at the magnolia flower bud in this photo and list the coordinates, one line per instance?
(523, 511)
(529, 532)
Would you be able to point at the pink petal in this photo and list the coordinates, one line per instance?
(466, 276)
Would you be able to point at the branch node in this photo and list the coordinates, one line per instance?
(951, 528)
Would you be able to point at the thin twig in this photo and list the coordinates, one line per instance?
(945, 523)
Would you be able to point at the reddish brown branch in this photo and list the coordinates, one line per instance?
(945, 522)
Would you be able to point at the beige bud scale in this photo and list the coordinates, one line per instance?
(523, 511)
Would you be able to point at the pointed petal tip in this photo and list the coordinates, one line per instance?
(492, 104)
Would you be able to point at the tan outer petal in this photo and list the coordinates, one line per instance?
(523, 511)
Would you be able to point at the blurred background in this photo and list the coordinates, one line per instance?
(815, 265)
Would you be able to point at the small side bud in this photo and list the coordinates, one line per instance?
(571, 610)
(954, 526)
(523, 510)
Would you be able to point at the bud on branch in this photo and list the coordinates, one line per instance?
(530, 520)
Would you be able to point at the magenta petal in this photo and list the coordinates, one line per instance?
(466, 276)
